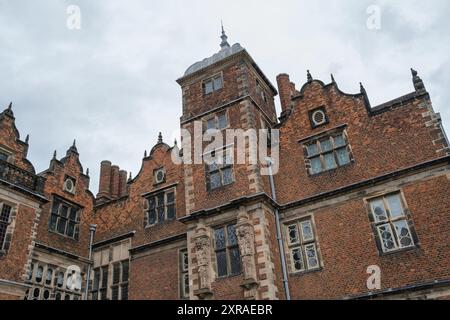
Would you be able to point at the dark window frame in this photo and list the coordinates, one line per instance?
(228, 249)
(6, 211)
(58, 219)
(168, 205)
(220, 169)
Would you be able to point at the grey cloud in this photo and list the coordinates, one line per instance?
(111, 85)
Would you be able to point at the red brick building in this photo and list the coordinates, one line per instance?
(357, 208)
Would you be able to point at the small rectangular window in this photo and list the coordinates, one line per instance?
(184, 274)
(213, 84)
(5, 213)
(161, 207)
(392, 226)
(327, 154)
(219, 169)
(227, 251)
(64, 219)
(302, 246)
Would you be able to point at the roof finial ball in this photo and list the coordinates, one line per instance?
(224, 38)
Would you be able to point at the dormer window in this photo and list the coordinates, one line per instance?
(65, 219)
(212, 84)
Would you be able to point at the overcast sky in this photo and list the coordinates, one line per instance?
(111, 84)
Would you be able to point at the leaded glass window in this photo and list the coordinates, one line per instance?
(393, 229)
(184, 274)
(162, 207)
(64, 219)
(5, 213)
(219, 169)
(227, 251)
(328, 153)
(302, 246)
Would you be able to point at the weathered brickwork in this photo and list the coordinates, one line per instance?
(166, 234)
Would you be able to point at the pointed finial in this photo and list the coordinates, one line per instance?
(54, 155)
(10, 106)
(74, 143)
(130, 177)
(9, 111)
(160, 138)
(87, 171)
(224, 38)
(361, 88)
(310, 78)
(27, 139)
(176, 142)
(417, 81)
(332, 79)
(145, 154)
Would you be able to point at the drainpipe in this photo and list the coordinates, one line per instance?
(279, 236)
(92, 229)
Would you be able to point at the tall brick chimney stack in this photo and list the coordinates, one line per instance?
(286, 89)
(123, 183)
(115, 170)
(104, 189)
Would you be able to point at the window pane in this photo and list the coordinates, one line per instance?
(227, 176)
(223, 122)
(395, 206)
(96, 283)
(339, 141)
(152, 203)
(219, 236)
(235, 261)
(151, 216)
(60, 279)
(343, 156)
(185, 261)
(326, 145)
(170, 197)
(64, 211)
(215, 181)
(316, 165)
(217, 83)
(124, 292)
(293, 234)
(55, 207)
(161, 215)
(53, 220)
(125, 271)
(231, 233)
(48, 279)
(104, 277)
(378, 210)
(73, 214)
(4, 215)
(3, 156)
(39, 274)
(386, 237)
(116, 273)
(313, 150)
(297, 260)
(171, 215)
(211, 124)
(115, 293)
(222, 269)
(62, 226)
(36, 294)
(330, 161)
(186, 285)
(404, 234)
(71, 229)
(208, 87)
(311, 255)
(307, 231)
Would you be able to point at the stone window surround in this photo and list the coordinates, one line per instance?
(215, 116)
(296, 220)
(212, 229)
(324, 134)
(207, 174)
(165, 190)
(11, 226)
(70, 204)
(408, 219)
(211, 78)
